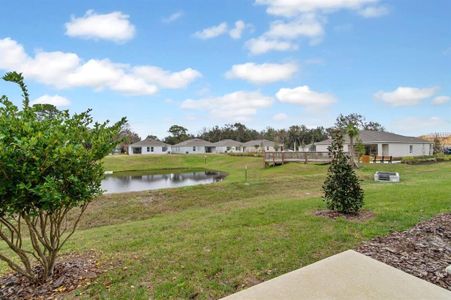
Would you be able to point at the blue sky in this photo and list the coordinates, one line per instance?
(264, 63)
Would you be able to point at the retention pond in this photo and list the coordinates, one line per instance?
(123, 182)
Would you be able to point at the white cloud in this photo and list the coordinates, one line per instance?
(305, 97)
(55, 100)
(212, 32)
(236, 106)
(113, 26)
(290, 8)
(374, 11)
(305, 26)
(263, 73)
(280, 117)
(405, 96)
(235, 33)
(166, 79)
(416, 126)
(173, 17)
(223, 28)
(439, 100)
(263, 44)
(68, 70)
(281, 34)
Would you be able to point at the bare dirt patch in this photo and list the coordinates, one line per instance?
(423, 251)
(71, 272)
(361, 216)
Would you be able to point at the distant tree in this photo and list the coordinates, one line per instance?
(438, 148)
(178, 134)
(45, 111)
(152, 137)
(50, 167)
(126, 137)
(358, 121)
(373, 126)
(342, 191)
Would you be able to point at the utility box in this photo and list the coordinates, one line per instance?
(386, 176)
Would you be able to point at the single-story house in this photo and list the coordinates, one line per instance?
(149, 146)
(194, 146)
(228, 146)
(385, 144)
(261, 146)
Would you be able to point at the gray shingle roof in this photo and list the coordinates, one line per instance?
(149, 143)
(194, 143)
(368, 137)
(228, 143)
(265, 143)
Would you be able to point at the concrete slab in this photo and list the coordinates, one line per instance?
(348, 275)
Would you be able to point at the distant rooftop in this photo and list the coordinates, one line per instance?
(149, 143)
(263, 142)
(228, 143)
(194, 143)
(368, 136)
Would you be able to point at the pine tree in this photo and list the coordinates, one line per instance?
(342, 191)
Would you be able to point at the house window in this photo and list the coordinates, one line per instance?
(164, 149)
(148, 149)
(194, 148)
(267, 148)
(151, 149)
(411, 149)
(228, 148)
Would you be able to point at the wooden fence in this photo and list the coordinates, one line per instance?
(279, 158)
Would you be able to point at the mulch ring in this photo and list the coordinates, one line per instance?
(362, 215)
(71, 272)
(423, 251)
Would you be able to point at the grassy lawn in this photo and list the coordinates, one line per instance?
(213, 240)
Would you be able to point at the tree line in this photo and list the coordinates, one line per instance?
(294, 137)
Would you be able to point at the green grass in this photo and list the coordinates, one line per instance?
(213, 240)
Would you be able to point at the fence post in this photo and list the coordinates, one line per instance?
(283, 158)
(305, 158)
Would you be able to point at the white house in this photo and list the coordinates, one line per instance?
(260, 146)
(385, 144)
(149, 146)
(193, 146)
(228, 146)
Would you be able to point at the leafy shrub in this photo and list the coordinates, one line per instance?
(50, 164)
(413, 160)
(342, 191)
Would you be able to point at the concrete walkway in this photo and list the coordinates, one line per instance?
(348, 275)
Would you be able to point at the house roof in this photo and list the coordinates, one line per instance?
(263, 142)
(149, 143)
(368, 137)
(194, 143)
(228, 143)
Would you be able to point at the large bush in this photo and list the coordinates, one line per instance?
(342, 191)
(50, 164)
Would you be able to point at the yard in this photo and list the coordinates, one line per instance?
(213, 240)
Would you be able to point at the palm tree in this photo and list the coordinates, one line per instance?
(352, 131)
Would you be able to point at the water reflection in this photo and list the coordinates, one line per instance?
(133, 182)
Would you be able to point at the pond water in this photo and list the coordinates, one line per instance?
(123, 182)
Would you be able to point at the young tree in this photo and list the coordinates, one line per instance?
(50, 165)
(342, 190)
(438, 148)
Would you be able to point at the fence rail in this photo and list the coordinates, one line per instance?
(279, 158)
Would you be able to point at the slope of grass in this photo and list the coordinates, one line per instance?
(212, 240)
